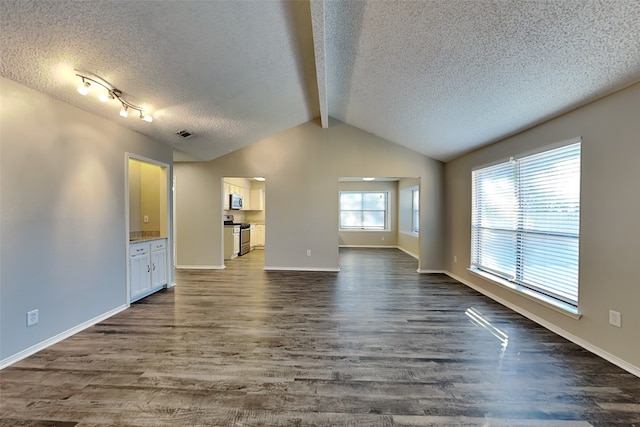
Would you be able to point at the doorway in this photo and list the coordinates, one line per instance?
(147, 205)
(243, 202)
(380, 212)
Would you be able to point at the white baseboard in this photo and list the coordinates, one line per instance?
(200, 267)
(369, 246)
(57, 338)
(632, 369)
(408, 253)
(431, 271)
(272, 268)
(381, 247)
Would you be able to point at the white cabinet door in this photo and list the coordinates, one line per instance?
(139, 272)
(246, 198)
(159, 268)
(259, 232)
(225, 196)
(257, 200)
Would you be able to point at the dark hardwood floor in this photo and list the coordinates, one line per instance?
(374, 345)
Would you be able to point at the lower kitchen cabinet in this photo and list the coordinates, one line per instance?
(257, 236)
(147, 268)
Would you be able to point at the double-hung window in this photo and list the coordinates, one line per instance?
(363, 210)
(526, 222)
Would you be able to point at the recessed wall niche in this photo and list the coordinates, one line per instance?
(147, 200)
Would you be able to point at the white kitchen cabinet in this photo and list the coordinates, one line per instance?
(225, 196)
(147, 268)
(231, 241)
(257, 236)
(246, 198)
(257, 200)
(159, 263)
(139, 267)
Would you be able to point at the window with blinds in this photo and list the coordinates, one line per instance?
(526, 222)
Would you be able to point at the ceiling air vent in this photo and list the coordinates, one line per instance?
(185, 134)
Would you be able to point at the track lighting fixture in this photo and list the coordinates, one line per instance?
(110, 94)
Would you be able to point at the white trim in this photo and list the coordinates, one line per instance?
(547, 147)
(329, 269)
(384, 247)
(559, 306)
(410, 233)
(369, 246)
(171, 285)
(632, 369)
(200, 267)
(421, 271)
(408, 253)
(59, 337)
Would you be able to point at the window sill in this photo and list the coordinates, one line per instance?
(361, 230)
(410, 233)
(551, 303)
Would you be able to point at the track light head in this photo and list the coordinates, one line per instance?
(124, 111)
(145, 117)
(106, 96)
(84, 87)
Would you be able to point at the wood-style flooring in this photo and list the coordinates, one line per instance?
(374, 345)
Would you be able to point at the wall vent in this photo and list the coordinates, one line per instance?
(184, 133)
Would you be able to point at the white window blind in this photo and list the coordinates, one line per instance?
(526, 222)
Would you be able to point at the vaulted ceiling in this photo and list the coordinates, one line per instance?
(442, 77)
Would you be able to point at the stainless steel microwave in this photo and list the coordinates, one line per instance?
(235, 201)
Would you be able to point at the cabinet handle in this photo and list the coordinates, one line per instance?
(148, 268)
(154, 266)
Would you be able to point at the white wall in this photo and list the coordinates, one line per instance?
(302, 166)
(609, 229)
(62, 215)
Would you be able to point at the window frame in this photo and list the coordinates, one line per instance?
(415, 211)
(362, 228)
(520, 232)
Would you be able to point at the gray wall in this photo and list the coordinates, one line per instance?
(302, 166)
(62, 217)
(609, 229)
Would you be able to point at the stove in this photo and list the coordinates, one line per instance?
(245, 233)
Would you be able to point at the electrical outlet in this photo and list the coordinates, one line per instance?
(32, 317)
(382, 237)
(308, 252)
(146, 218)
(615, 318)
(455, 259)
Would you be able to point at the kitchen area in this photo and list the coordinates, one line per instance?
(243, 205)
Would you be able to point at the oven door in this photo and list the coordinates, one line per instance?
(245, 241)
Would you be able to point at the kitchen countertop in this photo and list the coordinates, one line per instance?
(144, 239)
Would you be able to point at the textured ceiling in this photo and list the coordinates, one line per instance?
(441, 77)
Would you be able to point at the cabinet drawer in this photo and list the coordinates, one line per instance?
(156, 245)
(139, 249)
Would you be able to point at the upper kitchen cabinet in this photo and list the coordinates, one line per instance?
(148, 204)
(257, 200)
